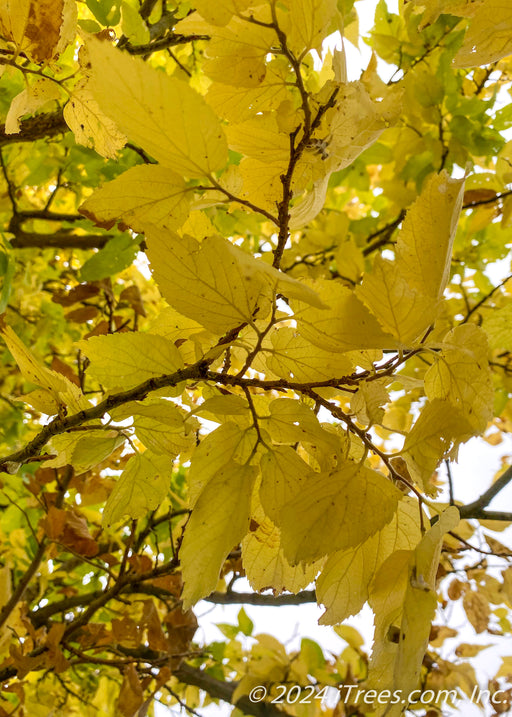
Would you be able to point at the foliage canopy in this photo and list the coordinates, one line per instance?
(325, 322)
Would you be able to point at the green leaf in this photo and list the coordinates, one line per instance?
(115, 256)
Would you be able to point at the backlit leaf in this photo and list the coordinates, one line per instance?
(219, 521)
(160, 113)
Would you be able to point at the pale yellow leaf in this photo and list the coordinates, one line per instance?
(221, 11)
(344, 581)
(265, 564)
(161, 428)
(498, 327)
(216, 283)
(238, 103)
(424, 245)
(90, 124)
(229, 443)
(127, 359)
(320, 520)
(219, 521)
(84, 450)
(489, 36)
(403, 599)
(161, 114)
(400, 309)
(141, 487)
(461, 375)
(283, 476)
(292, 356)
(345, 325)
(439, 427)
(369, 401)
(57, 387)
(144, 195)
(308, 23)
(420, 603)
(260, 139)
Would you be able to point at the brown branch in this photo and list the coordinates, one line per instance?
(59, 240)
(61, 425)
(163, 43)
(234, 598)
(38, 127)
(224, 691)
(486, 298)
(476, 509)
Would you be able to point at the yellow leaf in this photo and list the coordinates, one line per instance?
(84, 450)
(161, 114)
(219, 521)
(239, 103)
(400, 309)
(29, 100)
(265, 564)
(127, 359)
(353, 124)
(160, 426)
(260, 139)
(345, 325)
(489, 36)
(141, 487)
(221, 12)
(343, 584)
(320, 520)
(369, 400)
(146, 194)
(57, 387)
(262, 182)
(194, 340)
(308, 23)
(462, 377)
(420, 603)
(236, 53)
(283, 476)
(498, 327)
(438, 428)
(291, 422)
(227, 444)
(90, 124)
(292, 356)
(424, 245)
(216, 283)
(403, 599)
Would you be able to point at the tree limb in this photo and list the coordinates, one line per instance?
(224, 691)
(234, 598)
(38, 127)
(9, 464)
(476, 509)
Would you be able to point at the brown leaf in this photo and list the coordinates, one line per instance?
(181, 628)
(477, 610)
(151, 621)
(70, 529)
(82, 292)
(471, 196)
(130, 694)
(65, 370)
(85, 313)
(456, 589)
(126, 632)
(133, 296)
